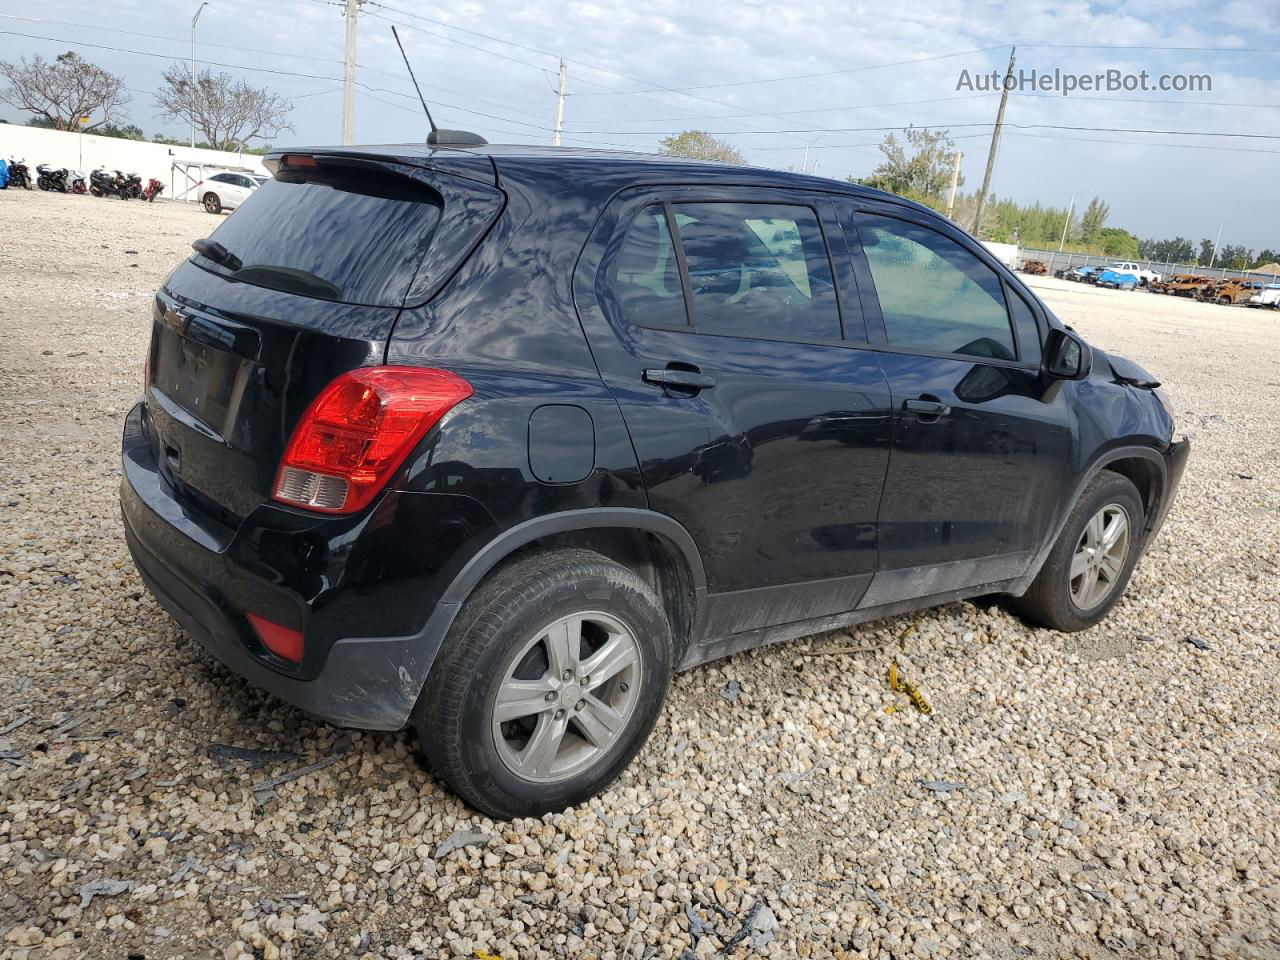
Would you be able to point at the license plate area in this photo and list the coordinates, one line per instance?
(207, 382)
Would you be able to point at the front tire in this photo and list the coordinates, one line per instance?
(1089, 567)
(212, 204)
(548, 684)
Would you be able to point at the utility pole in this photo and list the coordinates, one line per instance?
(1067, 223)
(956, 158)
(995, 142)
(1216, 241)
(555, 137)
(195, 83)
(349, 73)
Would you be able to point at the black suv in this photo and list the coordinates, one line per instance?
(490, 440)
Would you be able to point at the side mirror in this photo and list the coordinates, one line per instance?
(1066, 356)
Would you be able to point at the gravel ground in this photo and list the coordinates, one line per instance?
(1111, 794)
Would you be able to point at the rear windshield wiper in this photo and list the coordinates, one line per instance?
(213, 250)
(287, 279)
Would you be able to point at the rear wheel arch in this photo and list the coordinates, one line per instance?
(656, 547)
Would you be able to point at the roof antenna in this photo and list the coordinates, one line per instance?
(437, 137)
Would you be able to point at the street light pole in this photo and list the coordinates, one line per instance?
(808, 145)
(1070, 209)
(1217, 240)
(195, 85)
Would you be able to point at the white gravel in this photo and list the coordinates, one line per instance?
(1112, 794)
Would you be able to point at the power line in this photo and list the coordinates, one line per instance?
(203, 43)
(950, 126)
(228, 46)
(947, 56)
(1143, 143)
(1179, 103)
(825, 73)
(1046, 136)
(792, 113)
(516, 60)
(1147, 46)
(967, 96)
(165, 56)
(276, 72)
(546, 53)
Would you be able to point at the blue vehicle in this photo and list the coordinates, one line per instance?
(1117, 280)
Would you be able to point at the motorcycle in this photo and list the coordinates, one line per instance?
(77, 182)
(19, 175)
(49, 178)
(154, 189)
(131, 184)
(103, 184)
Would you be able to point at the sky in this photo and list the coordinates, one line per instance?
(768, 77)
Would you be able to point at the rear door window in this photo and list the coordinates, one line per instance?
(352, 238)
(758, 270)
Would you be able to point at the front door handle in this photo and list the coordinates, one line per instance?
(926, 408)
(680, 379)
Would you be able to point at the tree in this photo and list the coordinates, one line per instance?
(1177, 250)
(1235, 256)
(63, 91)
(1093, 219)
(1206, 252)
(924, 173)
(1118, 243)
(700, 145)
(227, 113)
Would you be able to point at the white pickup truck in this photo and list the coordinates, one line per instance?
(1268, 296)
(1145, 277)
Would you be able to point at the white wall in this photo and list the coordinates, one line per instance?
(86, 152)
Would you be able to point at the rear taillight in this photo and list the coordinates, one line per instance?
(358, 431)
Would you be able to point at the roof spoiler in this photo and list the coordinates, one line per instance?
(455, 138)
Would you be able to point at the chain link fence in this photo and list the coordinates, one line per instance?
(1059, 261)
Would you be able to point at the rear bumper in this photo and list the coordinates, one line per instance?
(361, 667)
(364, 684)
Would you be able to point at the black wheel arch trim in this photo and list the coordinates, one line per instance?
(414, 656)
(591, 518)
(1098, 464)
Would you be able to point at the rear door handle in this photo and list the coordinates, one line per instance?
(926, 408)
(680, 379)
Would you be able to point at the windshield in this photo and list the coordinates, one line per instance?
(354, 239)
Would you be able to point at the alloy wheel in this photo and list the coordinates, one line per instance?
(1099, 558)
(567, 696)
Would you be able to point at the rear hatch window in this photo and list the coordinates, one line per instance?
(342, 235)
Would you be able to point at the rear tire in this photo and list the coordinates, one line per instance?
(1087, 570)
(503, 686)
(212, 204)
